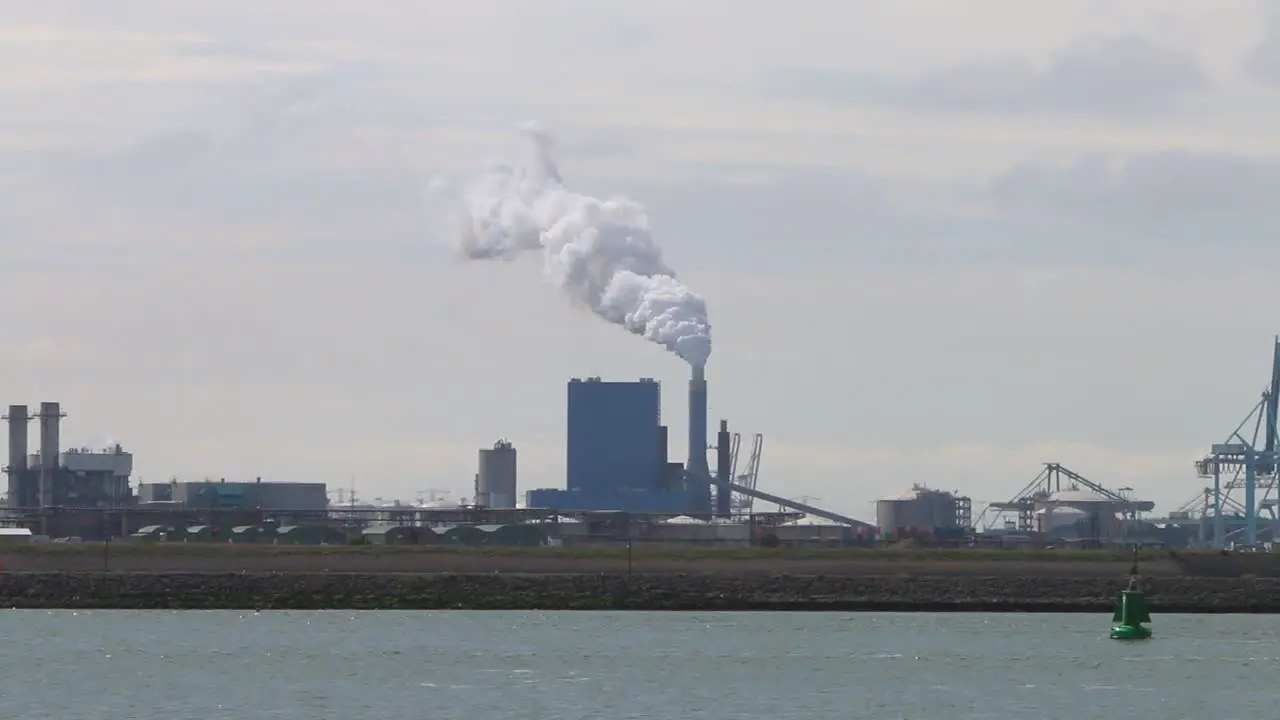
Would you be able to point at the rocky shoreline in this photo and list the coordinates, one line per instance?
(611, 591)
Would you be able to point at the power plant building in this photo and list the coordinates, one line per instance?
(616, 452)
(51, 477)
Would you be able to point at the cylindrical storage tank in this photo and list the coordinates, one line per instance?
(891, 515)
(939, 507)
(496, 481)
(920, 509)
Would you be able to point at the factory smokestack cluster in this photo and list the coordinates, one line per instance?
(23, 493)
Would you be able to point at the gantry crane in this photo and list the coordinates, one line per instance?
(1249, 463)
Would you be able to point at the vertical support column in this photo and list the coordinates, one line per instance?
(1204, 522)
(1219, 525)
(1250, 493)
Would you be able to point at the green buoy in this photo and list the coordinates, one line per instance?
(1131, 609)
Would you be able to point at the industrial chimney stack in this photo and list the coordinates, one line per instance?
(50, 416)
(724, 470)
(18, 419)
(697, 465)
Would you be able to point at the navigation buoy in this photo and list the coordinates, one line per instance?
(1131, 609)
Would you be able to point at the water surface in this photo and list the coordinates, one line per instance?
(156, 665)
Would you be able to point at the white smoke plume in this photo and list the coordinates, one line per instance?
(599, 252)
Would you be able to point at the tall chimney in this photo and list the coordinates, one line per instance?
(17, 418)
(724, 468)
(50, 414)
(697, 464)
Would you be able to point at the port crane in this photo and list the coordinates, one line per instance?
(1243, 461)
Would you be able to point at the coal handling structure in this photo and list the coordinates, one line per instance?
(1059, 497)
(724, 483)
(1240, 466)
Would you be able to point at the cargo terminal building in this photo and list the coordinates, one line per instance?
(616, 454)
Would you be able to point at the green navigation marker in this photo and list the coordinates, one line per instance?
(1131, 609)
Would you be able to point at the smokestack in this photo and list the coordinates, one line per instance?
(50, 414)
(697, 464)
(17, 418)
(724, 468)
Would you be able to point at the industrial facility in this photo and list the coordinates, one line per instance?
(622, 485)
(50, 478)
(1063, 504)
(924, 513)
(85, 492)
(617, 459)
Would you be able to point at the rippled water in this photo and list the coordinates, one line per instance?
(123, 665)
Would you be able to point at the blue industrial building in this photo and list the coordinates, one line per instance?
(616, 454)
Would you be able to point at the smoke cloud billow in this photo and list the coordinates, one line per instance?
(599, 252)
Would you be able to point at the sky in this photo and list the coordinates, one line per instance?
(940, 242)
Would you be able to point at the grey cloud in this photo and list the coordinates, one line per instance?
(1263, 61)
(1099, 74)
(1161, 207)
(282, 159)
(1171, 209)
(1172, 186)
(584, 26)
(183, 191)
